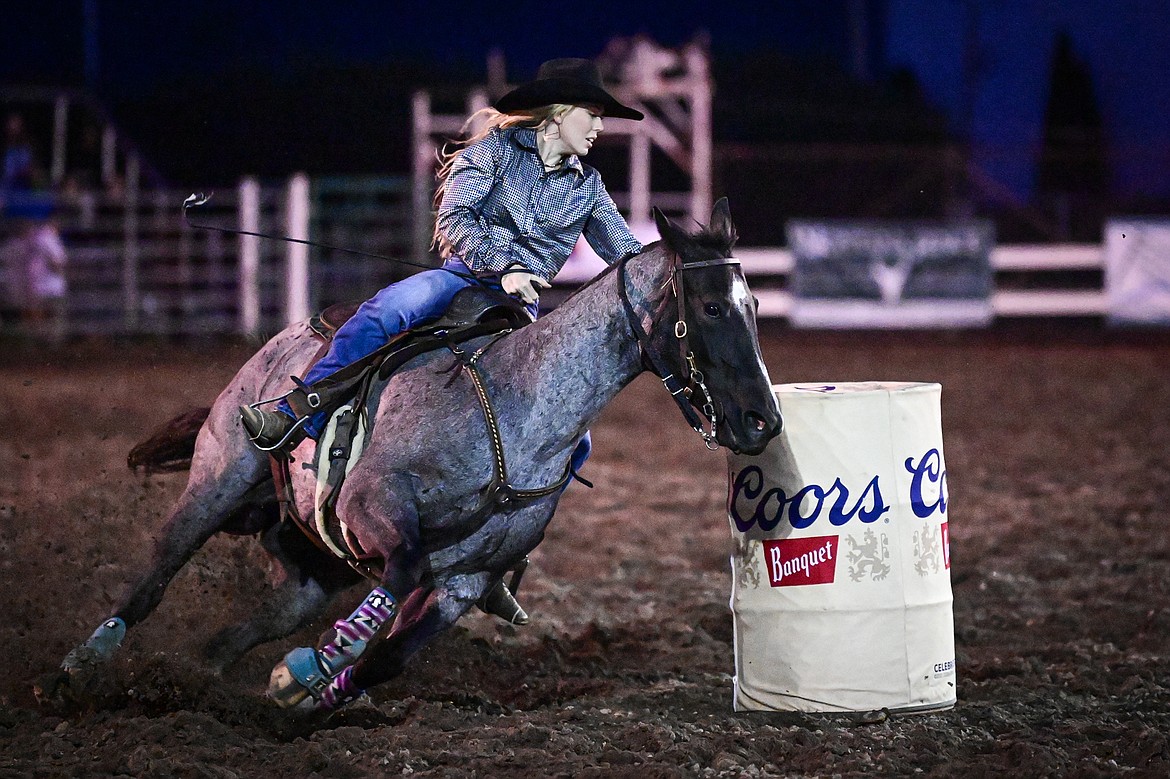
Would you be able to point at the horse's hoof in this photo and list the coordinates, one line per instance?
(51, 688)
(78, 677)
(283, 688)
(78, 672)
(81, 662)
(300, 673)
(84, 660)
(76, 682)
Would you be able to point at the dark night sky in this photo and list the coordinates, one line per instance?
(141, 44)
(1126, 44)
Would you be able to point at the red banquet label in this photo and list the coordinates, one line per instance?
(792, 562)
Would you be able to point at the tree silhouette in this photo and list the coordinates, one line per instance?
(1072, 159)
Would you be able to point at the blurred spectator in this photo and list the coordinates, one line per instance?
(34, 274)
(21, 174)
(34, 258)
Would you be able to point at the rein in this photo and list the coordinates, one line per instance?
(681, 391)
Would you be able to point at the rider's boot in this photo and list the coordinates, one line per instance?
(280, 431)
(500, 600)
(271, 430)
(307, 671)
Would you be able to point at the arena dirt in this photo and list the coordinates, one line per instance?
(1059, 474)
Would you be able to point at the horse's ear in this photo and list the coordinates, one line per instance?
(721, 222)
(673, 235)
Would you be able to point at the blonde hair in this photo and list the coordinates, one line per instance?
(485, 121)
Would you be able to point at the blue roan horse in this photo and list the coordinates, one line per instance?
(416, 496)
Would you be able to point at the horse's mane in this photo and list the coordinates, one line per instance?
(715, 240)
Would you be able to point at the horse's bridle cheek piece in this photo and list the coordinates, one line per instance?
(694, 380)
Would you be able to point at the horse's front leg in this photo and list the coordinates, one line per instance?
(306, 671)
(424, 615)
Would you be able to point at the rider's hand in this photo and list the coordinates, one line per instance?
(520, 283)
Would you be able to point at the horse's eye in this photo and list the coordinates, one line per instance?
(712, 310)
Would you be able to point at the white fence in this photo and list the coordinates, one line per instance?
(1031, 264)
(136, 267)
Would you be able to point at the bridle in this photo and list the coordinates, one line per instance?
(681, 390)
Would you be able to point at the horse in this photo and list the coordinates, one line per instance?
(420, 496)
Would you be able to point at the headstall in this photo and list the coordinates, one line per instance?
(680, 390)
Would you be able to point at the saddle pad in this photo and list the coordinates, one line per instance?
(334, 537)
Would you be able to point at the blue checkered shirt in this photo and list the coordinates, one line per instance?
(501, 208)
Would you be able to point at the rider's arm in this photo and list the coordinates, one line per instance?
(606, 230)
(460, 217)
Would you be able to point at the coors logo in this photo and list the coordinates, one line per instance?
(795, 561)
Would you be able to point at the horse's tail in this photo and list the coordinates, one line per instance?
(171, 446)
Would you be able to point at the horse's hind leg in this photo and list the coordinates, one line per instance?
(311, 579)
(223, 471)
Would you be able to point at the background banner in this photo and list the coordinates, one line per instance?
(1137, 271)
(891, 274)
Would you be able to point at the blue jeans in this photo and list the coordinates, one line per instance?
(416, 300)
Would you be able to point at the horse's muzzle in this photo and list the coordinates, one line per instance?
(754, 430)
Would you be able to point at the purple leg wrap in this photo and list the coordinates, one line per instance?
(339, 692)
(324, 673)
(355, 631)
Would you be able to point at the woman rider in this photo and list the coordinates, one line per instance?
(512, 204)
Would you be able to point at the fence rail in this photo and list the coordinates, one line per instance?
(1022, 288)
(136, 267)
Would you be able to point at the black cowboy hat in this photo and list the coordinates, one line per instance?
(571, 81)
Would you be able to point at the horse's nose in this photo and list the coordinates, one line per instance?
(762, 426)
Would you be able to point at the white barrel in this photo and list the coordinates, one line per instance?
(841, 592)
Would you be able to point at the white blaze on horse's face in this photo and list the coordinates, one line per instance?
(740, 303)
(741, 297)
(580, 128)
(743, 302)
(730, 359)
